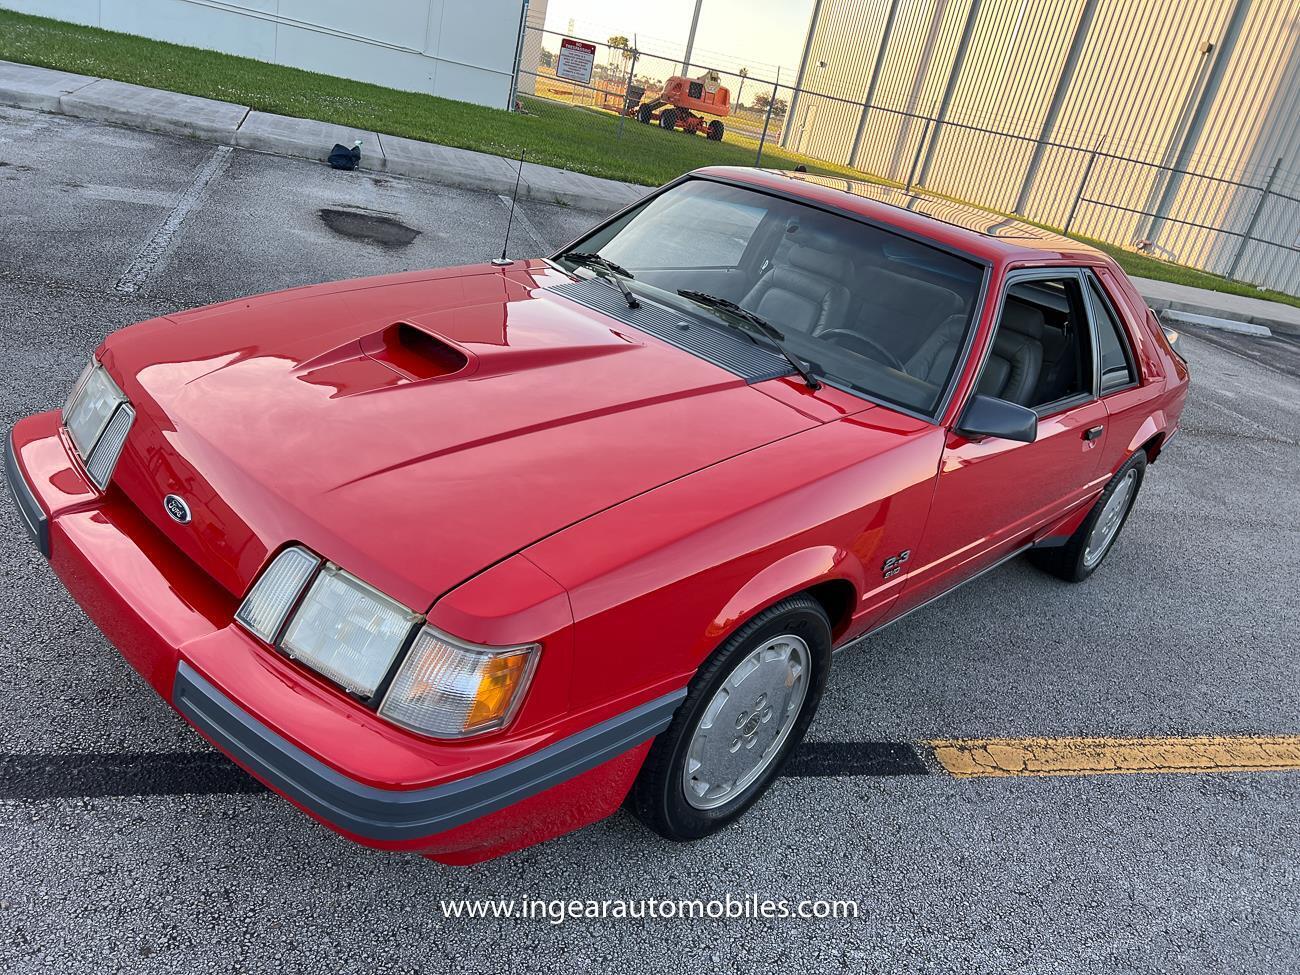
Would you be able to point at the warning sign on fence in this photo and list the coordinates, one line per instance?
(576, 60)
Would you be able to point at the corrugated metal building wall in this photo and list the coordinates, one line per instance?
(1020, 91)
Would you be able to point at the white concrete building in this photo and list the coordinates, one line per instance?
(450, 48)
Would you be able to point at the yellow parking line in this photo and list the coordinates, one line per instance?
(1112, 756)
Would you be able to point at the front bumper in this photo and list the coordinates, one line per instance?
(29, 509)
(387, 814)
(363, 777)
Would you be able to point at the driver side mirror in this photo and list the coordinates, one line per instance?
(987, 416)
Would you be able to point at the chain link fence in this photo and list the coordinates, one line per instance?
(640, 126)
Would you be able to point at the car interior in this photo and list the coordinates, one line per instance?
(858, 299)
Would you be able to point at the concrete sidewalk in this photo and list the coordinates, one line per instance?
(26, 86)
(1215, 309)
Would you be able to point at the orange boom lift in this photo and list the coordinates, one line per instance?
(680, 101)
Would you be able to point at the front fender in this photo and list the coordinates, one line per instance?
(788, 575)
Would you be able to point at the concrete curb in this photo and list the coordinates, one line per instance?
(157, 111)
(30, 87)
(1211, 321)
(1210, 316)
(1218, 309)
(22, 87)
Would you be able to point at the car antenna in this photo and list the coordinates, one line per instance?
(504, 261)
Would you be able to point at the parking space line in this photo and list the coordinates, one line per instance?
(1112, 756)
(522, 220)
(81, 775)
(816, 759)
(72, 776)
(151, 254)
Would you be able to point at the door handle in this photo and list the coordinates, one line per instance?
(1092, 433)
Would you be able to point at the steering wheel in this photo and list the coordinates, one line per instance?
(859, 343)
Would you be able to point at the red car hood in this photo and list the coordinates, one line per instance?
(414, 456)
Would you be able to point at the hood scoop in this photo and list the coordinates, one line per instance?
(397, 355)
(413, 353)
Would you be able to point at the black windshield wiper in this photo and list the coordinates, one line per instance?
(759, 324)
(614, 273)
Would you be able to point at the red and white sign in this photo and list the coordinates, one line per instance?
(576, 60)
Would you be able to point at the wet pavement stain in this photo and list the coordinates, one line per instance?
(373, 228)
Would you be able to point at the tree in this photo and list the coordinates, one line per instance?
(620, 43)
(744, 73)
(762, 100)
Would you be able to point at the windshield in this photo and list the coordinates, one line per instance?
(867, 308)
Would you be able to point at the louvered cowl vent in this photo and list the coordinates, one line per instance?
(735, 353)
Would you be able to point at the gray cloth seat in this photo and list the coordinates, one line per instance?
(1015, 362)
(805, 294)
(897, 308)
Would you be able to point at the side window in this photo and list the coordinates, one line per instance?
(1117, 370)
(1042, 351)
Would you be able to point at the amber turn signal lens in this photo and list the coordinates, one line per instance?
(496, 687)
(449, 688)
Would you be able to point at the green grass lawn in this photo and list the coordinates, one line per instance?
(1141, 266)
(554, 134)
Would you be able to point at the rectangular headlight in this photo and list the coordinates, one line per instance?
(267, 604)
(450, 689)
(348, 631)
(90, 408)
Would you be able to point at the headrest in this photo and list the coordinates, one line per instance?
(823, 263)
(1023, 318)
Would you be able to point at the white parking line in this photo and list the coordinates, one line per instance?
(523, 221)
(151, 254)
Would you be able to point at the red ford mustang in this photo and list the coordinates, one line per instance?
(460, 560)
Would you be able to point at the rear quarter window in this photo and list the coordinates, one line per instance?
(1118, 366)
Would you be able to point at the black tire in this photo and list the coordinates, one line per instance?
(644, 113)
(658, 798)
(668, 118)
(716, 131)
(1070, 561)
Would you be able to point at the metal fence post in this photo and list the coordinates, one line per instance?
(920, 144)
(1083, 185)
(1254, 219)
(520, 41)
(776, 86)
(627, 91)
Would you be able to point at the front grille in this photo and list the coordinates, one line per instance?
(733, 352)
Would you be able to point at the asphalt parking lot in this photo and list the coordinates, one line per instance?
(1189, 629)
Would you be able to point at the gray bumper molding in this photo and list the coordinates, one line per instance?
(29, 509)
(389, 814)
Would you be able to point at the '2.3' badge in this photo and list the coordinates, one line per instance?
(894, 564)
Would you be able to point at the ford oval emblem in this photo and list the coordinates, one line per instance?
(177, 509)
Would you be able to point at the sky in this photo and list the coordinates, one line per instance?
(759, 34)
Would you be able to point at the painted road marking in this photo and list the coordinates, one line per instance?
(816, 759)
(75, 776)
(151, 254)
(1115, 756)
(522, 220)
(67, 776)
